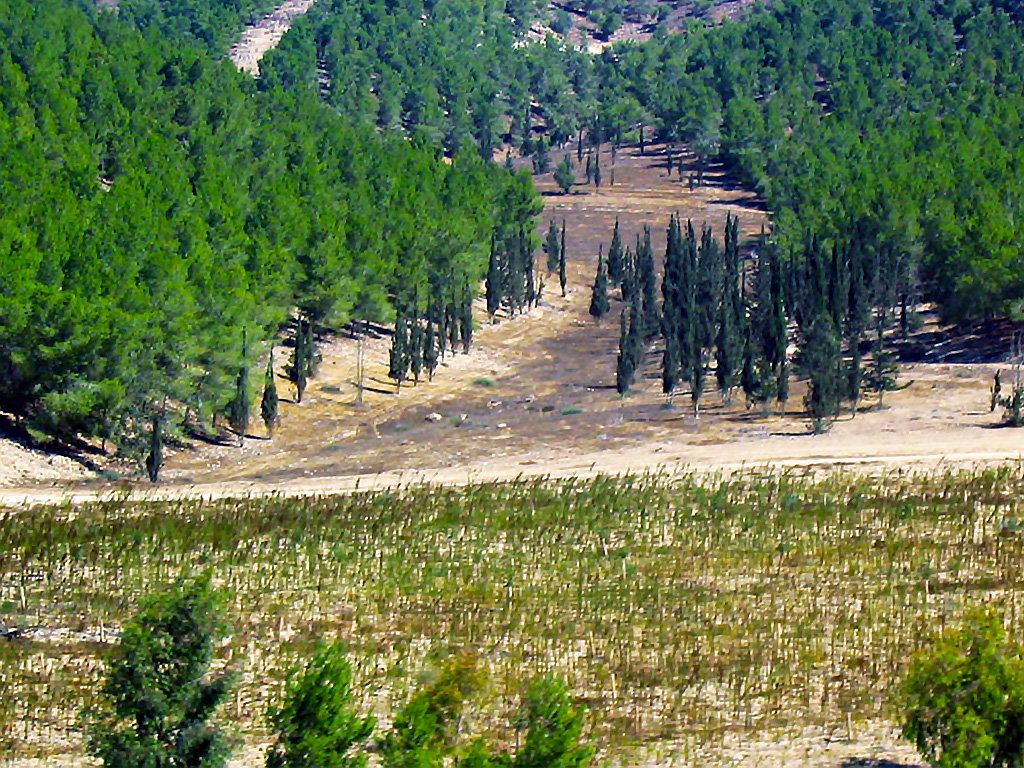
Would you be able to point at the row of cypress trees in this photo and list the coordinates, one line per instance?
(732, 315)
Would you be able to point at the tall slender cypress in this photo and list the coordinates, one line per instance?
(650, 322)
(615, 256)
(155, 457)
(561, 261)
(552, 247)
(493, 283)
(599, 295)
(269, 402)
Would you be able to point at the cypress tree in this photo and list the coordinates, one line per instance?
(268, 404)
(881, 375)
(298, 369)
(670, 358)
(821, 363)
(727, 350)
(516, 276)
(466, 321)
(241, 405)
(493, 284)
(416, 349)
(564, 176)
(155, 457)
(527, 259)
(624, 362)
(856, 322)
(629, 287)
(430, 350)
(615, 256)
(650, 322)
(452, 323)
(551, 247)
(782, 385)
(748, 377)
(599, 295)
(541, 160)
(561, 261)
(398, 357)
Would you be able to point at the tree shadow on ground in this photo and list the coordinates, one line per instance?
(872, 762)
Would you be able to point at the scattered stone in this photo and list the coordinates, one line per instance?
(493, 403)
(434, 417)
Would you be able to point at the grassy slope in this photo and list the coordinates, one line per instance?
(681, 610)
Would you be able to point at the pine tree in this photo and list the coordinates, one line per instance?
(599, 296)
(158, 703)
(579, 149)
(615, 256)
(552, 247)
(590, 169)
(561, 261)
(597, 169)
(268, 404)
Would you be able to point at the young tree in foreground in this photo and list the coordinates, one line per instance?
(423, 733)
(553, 729)
(316, 727)
(963, 697)
(159, 695)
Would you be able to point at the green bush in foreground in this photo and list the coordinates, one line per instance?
(964, 697)
(317, 727)
(159, 694)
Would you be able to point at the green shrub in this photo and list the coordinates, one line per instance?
(159, 695)
(423, 734)
(964, 697)
(553, 728)
(316, 727)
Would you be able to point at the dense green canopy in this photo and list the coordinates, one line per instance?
(157, 207)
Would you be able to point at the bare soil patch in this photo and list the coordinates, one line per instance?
(265, 34)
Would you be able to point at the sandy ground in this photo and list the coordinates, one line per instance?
(265, 35)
